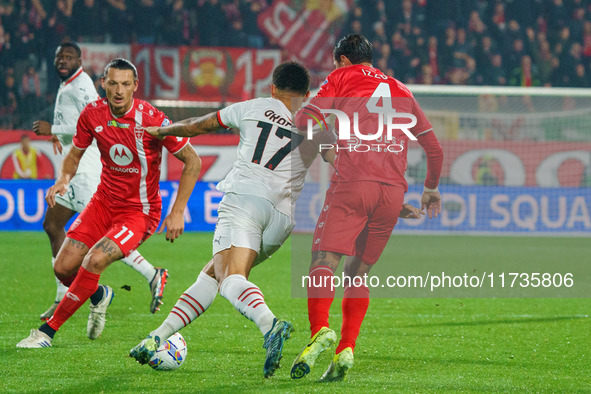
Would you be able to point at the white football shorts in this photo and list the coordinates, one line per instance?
(80, 190)
(248, 221)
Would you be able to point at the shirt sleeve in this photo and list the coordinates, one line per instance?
(175, 144)
(423, 125)
(83, 136)
(231, 116)
(434, 153)
(85, 95)
(171, 143)
(63, 129)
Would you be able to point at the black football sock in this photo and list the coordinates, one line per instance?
(47, 330)
(97, 296)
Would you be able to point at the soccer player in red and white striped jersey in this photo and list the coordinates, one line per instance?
(126, 208)
(366, 193)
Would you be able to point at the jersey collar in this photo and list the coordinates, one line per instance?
(121, 116)
(286, 112)
(73, 77)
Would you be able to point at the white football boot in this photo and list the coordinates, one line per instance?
(35, 340)
(96, 319)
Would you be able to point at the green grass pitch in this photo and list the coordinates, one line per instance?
(415, 344)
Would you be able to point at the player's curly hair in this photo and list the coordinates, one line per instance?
(355, 47)
(121, 64)
(293, 77)
(72, 45)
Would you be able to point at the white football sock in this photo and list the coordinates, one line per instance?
(61, 289)
(192, 304)
(248, 299)
(136, 261)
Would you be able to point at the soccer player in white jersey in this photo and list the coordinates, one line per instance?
(75, 92)
(254, 217)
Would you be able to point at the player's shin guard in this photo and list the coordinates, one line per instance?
(85, 284)
(192, 304)
(61, 289)
(355, 303)
(136, 261)
(320, 296)
(248, 299)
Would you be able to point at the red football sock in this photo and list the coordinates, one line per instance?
(79, 291)
(355, 303)
(320, 296)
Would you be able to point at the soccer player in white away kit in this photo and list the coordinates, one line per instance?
(254, 217)
(75, 92)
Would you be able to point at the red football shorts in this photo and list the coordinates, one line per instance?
(358, 218)
(128, 229)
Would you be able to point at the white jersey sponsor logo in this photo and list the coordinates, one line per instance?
(120, 154)
(125, 170)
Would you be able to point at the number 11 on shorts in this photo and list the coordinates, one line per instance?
(123, 231)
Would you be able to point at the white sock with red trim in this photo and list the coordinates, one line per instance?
(136, 261)
(248, 299)
(191, 304)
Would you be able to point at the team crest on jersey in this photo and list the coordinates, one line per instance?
(139, 134)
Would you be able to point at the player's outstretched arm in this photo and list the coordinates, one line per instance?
(188, 127)
(175, 221)
(67, 172)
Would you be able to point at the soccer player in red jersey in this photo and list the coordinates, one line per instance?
(125, 210)
(366, 193)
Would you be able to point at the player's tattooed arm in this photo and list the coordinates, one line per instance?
(188, 127)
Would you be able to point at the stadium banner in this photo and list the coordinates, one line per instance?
(548, 164)
(476, 209)
(287, 23)
(23, 206)
(204, 74)
(96, 56)
(482, 209)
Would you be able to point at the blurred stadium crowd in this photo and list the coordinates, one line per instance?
(461, 42)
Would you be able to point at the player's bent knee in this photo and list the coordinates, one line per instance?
(51, 228)
(64, 272)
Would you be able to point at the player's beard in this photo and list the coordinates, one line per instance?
(67, 76)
